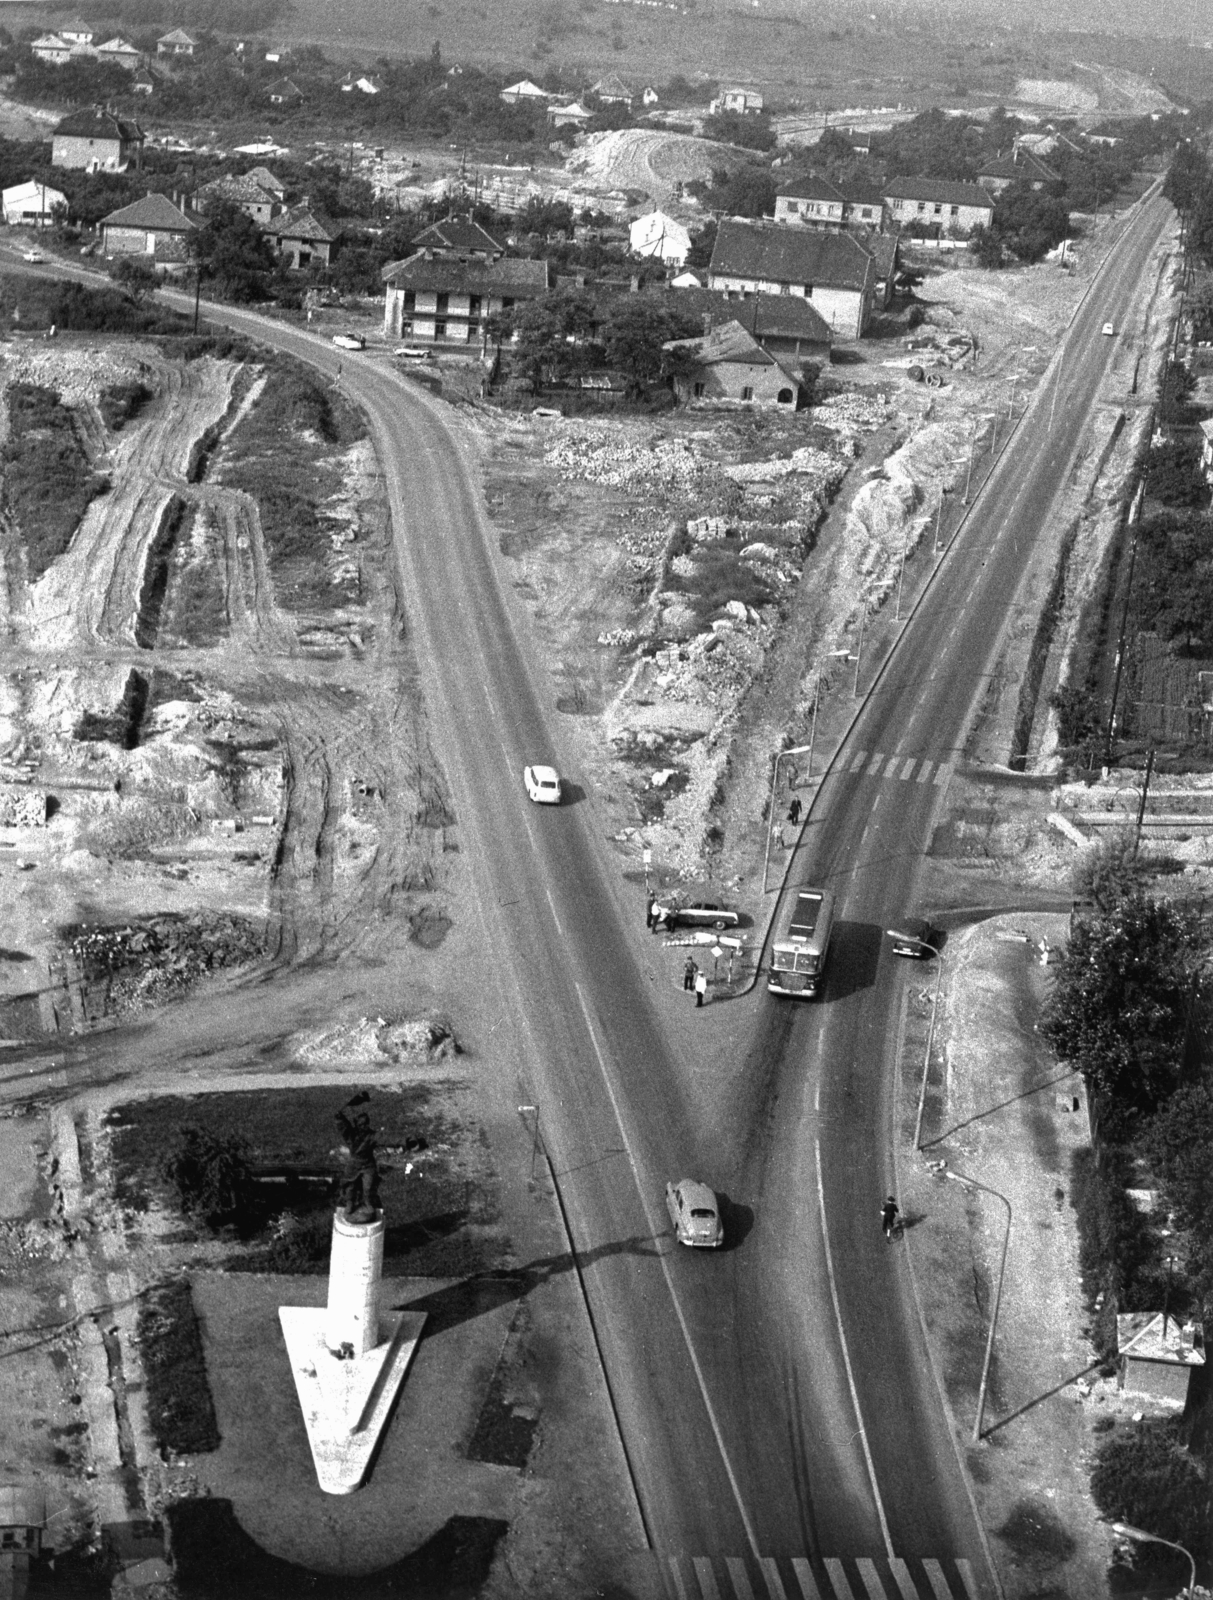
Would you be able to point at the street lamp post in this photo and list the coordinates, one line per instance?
(1139, 1536)
(926, 1061)
(901, 571)
(799, 750)
(972, 1183)
(863, 617)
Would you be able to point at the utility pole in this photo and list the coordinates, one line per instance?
(863, 617)
(1134, 513)
(1141, 809)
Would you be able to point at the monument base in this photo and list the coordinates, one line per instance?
(346, 1401)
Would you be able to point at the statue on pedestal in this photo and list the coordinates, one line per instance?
(359, 1192)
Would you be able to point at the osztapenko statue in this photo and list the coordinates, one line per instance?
(359, 1191)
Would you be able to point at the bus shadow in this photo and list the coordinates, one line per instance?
(854, 956)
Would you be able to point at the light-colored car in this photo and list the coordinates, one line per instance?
(1109, 328)
(414, 352)
(695, 1213)
(543, 785)
(32, 255)
(349, 341)
(693, 914)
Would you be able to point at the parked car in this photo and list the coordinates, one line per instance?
(414, 352)
(32, 255)
(693, 914)
(1109, 328)
(915, 939)
(695, 1213)
(349, 341)
(543, 785)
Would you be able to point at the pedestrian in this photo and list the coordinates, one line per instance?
(794, 810)
(888, 1217)
(701, 987)
(688, 975)
(649, 918)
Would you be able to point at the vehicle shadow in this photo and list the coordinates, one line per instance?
(853, 959)
(738, 1221)
(571, 793)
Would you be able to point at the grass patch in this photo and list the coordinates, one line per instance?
(122, 403)
(180, 1411)
(194, 607)
(720, 576)
(48, 481)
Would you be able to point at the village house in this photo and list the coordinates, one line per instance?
(650, 96)
(284, 92)
(143, 83)
(939, 204)
(833, 270)
(811, 202)
(362, 82)
(52, 48)
(119, 53)
(438, 299)
(1021, 166)
(573, 115)
(748, 102)
(96, 141)
(861, 143)
(519, 93)
(612, 91)
(254, 200)
(727, 363)
(787, 325)
(659, 237)
(77, 33)
(269, 181)
(31, 204)
(176, 43)
(302, 239)
(459, 238)
(152, 227)
(865, 207)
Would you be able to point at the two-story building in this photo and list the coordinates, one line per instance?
(152, 227)
(938, 204)
(832, 270)
(301, 237)
(52, 48)
(811, 202)
(1021, 166)
(96, 141)
(445, 300)
(254, 200)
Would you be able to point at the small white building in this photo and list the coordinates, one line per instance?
(518, 93)
(31, 204)
(748, 102)
(659, 237)
(52, 48)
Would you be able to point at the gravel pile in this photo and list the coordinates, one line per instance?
(593, 454)
(79, 376)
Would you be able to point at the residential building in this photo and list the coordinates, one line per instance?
(1021, 166)
(153, 227)
(938, 203)
(833, 270)
(573, 115)
(861, 143)
(519, 93)
(52, 48)
(143, 82)
(730, 364)
(746, 101)
(302, 238)
(865, 207)
(97, 141)
(78, 33)
(362, 82)
(245, 192)
(119, 53)
(660, 237)
(434, 299)
(176, 43)
(31, 204)
(459, 238)
(612, 91)
(787, 325)
(811, 202)
(284, 92)
(269, 181)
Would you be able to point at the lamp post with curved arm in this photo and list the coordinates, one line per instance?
(972, 1183)
(1140, 1536)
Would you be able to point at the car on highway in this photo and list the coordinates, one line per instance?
(693, 914)
(1109, 328)
(32, 255)
(543, 785)
(413, 352)
(349, 341)
(915, 939)
(695, 1213)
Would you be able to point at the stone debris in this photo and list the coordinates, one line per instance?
(22, 808)
(618, 636)
(376, 1042)
(596, 453)
(158, 958)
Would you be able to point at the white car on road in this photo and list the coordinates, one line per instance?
(349, 341)
(542, 784)
(695, 1213)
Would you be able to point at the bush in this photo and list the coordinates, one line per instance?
(209, 1175)
(1109, 872)
(48, 482)
(1115, 1245)
(180, 1411)
(1143, 1475)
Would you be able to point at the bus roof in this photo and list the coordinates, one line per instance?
(805, 914)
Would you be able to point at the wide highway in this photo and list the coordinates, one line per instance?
(775, 1401)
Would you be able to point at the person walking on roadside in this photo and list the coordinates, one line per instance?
(888, 1217)
(688, 975)
(650, 902)
(794, 810)
(701, 988)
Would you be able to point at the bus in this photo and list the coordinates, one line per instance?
(802, 944)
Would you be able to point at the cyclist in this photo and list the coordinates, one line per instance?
(888, 1217)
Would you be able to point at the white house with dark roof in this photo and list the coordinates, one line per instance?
(302, 238)
(612, 91)
(119, 52)
(52, 48)
(245, 192)
(832, 270)
(152, 227)
(177, 42)
(1021, 166)
(440, 299)
(748, 102)
(811, 202)
(572, 115)
(938, 203)
(77, 32)
(96, 141)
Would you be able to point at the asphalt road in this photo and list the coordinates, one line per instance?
(774, 1400)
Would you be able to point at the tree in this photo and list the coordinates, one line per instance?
(209, 1175)
(1177, 1145)
(1110, 871)
(747, 191)
(1143, 1475)
(699, 256)
(749, 132)
(233, 253)
(1030, 221)
(136, 275)
(551, 337)
(1120, 1004)
(1079, 717)
(636, 329)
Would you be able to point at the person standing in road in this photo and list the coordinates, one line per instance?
(794, 810)
(650, 902)
(888, 1217)
(701, 988)
(688, 975)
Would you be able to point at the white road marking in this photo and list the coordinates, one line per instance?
(740, 1577)
(874, 765)
(860, 757)
(908, 768)
(906, 1587)
(942, 774)
(678, 1583)
(770, 1572)
(925, 773)
(940, 1586)
(751, 1539)
(707, 1578)
(805, 1578)
(842, 1337)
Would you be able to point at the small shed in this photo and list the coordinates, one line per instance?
(1158, 1355)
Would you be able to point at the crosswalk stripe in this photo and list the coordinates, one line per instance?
(870, 1578)
(740, 1577)
(935, 1577)
(838, 1578)
(805, 1578)
(770, 1572)
(925, 773)
(942, 775)
(678, 1583)
(860, 757)
(906, 1586)
(965, 1567)
(907, 769)
(874, 765)
(707, 1578)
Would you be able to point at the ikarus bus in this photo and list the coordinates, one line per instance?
(802, 943)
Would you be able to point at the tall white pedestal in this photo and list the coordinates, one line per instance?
(349, 1359)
